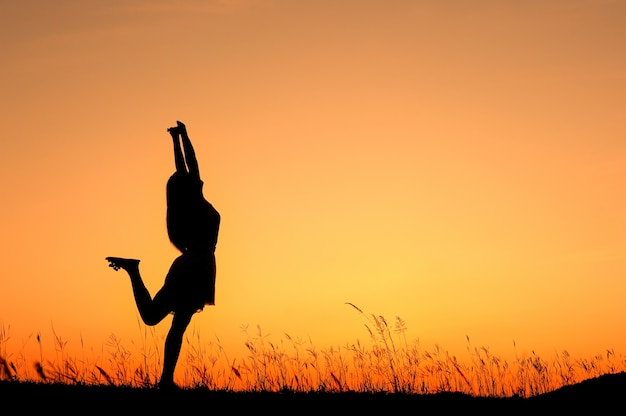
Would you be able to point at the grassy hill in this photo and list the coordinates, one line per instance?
(604, 393)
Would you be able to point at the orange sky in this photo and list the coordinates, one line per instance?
(460, 165)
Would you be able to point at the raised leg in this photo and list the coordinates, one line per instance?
(151, 312)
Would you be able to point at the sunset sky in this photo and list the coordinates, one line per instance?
(458, 164)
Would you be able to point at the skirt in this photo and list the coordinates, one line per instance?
(190, 282)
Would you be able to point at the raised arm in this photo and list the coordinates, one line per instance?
(179, 159)
(190, 154)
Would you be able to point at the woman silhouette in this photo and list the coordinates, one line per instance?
(192, 226)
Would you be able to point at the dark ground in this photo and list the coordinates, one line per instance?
(602, 395)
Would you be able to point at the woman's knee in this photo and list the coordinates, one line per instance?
(151, 321)
(153, 317)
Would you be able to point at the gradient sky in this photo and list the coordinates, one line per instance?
(461, 165)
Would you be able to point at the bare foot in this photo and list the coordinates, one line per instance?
(168, 385)
(121, 263)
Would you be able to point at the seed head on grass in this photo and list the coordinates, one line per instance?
(106, 376)
(39, 370)
(5, 370)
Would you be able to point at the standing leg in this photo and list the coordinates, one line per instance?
(173, 344)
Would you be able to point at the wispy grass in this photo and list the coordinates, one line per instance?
(387, 362)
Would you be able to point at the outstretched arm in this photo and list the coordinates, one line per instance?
(179, 160)
(190, 154)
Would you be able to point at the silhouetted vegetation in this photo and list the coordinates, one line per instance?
(293, 369)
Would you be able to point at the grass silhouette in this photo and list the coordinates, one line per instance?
(387, 365)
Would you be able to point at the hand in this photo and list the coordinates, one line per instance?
(181, 127)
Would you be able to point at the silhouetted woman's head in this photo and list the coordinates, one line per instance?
(184, 197)
(182, 188)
